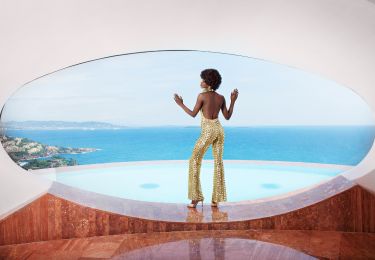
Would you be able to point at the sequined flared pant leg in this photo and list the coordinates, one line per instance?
(212, 133)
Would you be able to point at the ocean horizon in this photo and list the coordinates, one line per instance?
(345, 145)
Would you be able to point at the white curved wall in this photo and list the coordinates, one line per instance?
(333, 38)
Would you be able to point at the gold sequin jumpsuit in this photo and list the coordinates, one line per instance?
(212, 132)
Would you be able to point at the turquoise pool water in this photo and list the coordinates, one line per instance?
(168, 182)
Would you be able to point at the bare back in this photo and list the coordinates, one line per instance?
(212, 103)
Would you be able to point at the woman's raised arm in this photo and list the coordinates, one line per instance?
(197, 106)
(227, 113)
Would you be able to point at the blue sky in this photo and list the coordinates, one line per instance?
(137, 90)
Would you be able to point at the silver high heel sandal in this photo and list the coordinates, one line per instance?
(194, 203)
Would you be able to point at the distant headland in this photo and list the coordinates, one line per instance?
(28, 153)
(57, 125)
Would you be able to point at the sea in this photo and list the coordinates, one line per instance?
(345, 145)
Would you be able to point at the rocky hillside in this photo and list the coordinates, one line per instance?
(28, 153)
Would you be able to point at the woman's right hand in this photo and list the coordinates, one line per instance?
(234, 95)
(178, 99)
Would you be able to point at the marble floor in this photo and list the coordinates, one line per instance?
(207, 244)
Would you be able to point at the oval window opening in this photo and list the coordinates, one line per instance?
(290, 129)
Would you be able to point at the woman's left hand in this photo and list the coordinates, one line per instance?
(178, 99)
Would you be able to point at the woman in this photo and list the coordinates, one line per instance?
(209, 103)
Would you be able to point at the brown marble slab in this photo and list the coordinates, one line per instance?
(207, 244)
(51, 217)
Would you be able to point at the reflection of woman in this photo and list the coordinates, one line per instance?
(195, 247)
(209, 103)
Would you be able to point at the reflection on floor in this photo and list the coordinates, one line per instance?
(206, 244)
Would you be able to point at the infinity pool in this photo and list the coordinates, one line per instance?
(168, 182)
